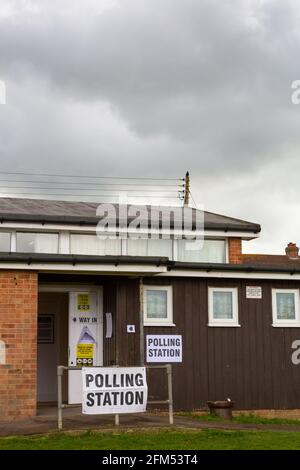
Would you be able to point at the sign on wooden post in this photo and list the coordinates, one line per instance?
(114, 390)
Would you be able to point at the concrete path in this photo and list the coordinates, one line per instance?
(46, 421)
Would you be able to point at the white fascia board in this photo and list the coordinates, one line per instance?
(231, 234)
(55, 227)
(47, 227)
(230, 275)
(85, 268)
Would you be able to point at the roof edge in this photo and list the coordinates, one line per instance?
(31, 258)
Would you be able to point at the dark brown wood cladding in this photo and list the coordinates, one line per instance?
(109, 306)
(250, 364)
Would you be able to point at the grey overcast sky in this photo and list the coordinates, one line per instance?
(156, 87)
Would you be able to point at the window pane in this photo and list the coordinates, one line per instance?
(156, 304)
(4, 241)
(149, 247)
(285, 306)
(160, 247)
(37, 242)
(137, 247)
(198, 251)
(222, 305)
(92, 245)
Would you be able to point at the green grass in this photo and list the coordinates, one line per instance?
(158, 440)
(242, 419)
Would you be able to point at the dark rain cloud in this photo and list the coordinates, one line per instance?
(138, 87)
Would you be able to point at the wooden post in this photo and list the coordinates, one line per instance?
(187, 189)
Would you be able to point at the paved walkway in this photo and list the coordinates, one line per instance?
(46, 421)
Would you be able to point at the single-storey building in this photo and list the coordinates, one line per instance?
(70, 297)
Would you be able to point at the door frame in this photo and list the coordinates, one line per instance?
(68, 288)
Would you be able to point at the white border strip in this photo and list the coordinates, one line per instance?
(230, 274)
(84, 268)
(76, 228)
(160, 271)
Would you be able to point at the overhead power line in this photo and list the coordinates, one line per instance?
(89, 176)
(82, 189)
(34, 184)
(94, 183)
(91, 195)
(193, 200)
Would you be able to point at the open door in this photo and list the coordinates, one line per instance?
(85, 337)
(52, 347)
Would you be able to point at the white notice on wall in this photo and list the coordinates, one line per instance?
(108, 317)
(114, 390)
(164, 348)
(253, 292)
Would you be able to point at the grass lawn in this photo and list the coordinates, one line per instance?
(158, 440)
(242, 419)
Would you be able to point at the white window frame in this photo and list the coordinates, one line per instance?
(230, 322)
(285, 323)
(159, 321)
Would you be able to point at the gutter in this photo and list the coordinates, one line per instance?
(245, 268)
(76, 220)
(32, 258)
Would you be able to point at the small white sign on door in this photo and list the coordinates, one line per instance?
(253, 292)
(114, 390)
(164, 348)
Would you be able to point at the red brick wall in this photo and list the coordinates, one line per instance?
(18, 329)
(235, 250)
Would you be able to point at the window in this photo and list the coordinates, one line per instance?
(158, 305)
(150, 247)
(5, 241)
(202, 251)
(285, 303)
(83, 244)
(31, 242)
(223, 306)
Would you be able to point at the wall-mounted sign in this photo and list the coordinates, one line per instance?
(83, 302)
(253, 292)
(85, 348)
(130, 328)
(164, 348)
(114, 390)
(109, 325)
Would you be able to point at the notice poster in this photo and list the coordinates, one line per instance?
(114, 390)
(85, 350)
(83, 302)
(85, 355)
(164, 348)
(253, 292)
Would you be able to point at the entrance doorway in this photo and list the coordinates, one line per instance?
(70, 332)
(52, 348)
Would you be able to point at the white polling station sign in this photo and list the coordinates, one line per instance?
(164, 348)
(114, 390)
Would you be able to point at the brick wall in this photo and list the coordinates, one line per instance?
(235, 250)
(18, 329)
